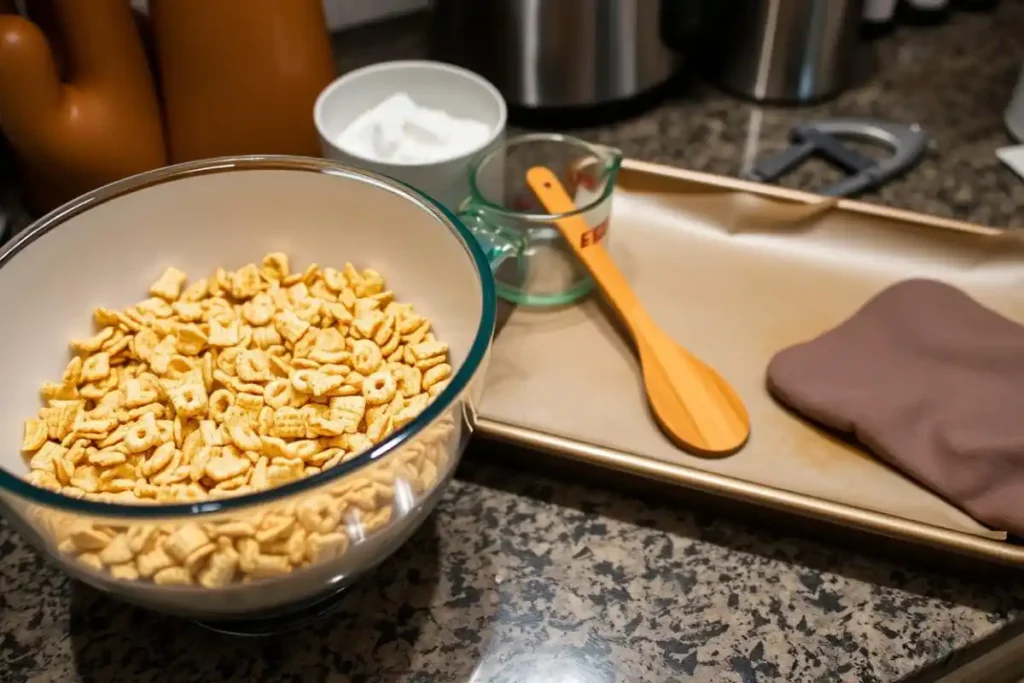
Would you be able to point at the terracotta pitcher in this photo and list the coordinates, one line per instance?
(102, 123)
(241, 76)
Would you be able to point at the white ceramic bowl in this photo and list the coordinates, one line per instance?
(105, 248)
(434, 85)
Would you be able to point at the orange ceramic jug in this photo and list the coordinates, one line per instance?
(241, 76)
(103, 123)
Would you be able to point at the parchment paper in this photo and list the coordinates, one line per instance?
(735, 277)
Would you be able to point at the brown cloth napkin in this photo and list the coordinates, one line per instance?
(930, 381)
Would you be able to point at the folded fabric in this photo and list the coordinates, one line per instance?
(931, 382)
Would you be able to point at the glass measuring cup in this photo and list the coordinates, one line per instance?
(539, 269)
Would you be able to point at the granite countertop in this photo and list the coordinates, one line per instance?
(527, 577)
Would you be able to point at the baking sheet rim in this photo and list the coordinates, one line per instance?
(799, 196)
(766, 496)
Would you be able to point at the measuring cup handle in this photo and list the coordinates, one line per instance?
(498, 243)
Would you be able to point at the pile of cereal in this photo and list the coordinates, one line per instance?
(233, 384)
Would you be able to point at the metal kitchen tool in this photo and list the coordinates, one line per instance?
(1015, 111)
(1013, 157)
(823, 139)
(693, 404)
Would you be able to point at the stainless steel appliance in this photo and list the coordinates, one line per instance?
(557, 53)
(782, 50)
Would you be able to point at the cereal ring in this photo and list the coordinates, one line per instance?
(379, 388)
(366, 357)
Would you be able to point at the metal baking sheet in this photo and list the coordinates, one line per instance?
(736, 271)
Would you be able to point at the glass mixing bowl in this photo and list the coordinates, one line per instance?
(107, 247)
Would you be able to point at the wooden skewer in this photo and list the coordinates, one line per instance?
(693, 404)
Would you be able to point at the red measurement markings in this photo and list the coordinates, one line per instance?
(587, 181)
(523, 204)
(594, 235)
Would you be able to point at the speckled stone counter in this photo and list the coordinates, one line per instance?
(524, 579)
(521, 577)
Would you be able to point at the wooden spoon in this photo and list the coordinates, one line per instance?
(692, 403)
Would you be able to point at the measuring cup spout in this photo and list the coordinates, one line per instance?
(591, 177)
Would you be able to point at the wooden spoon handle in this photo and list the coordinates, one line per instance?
(598, 261)
(686, 370)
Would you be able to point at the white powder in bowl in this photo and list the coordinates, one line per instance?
(400, 131)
